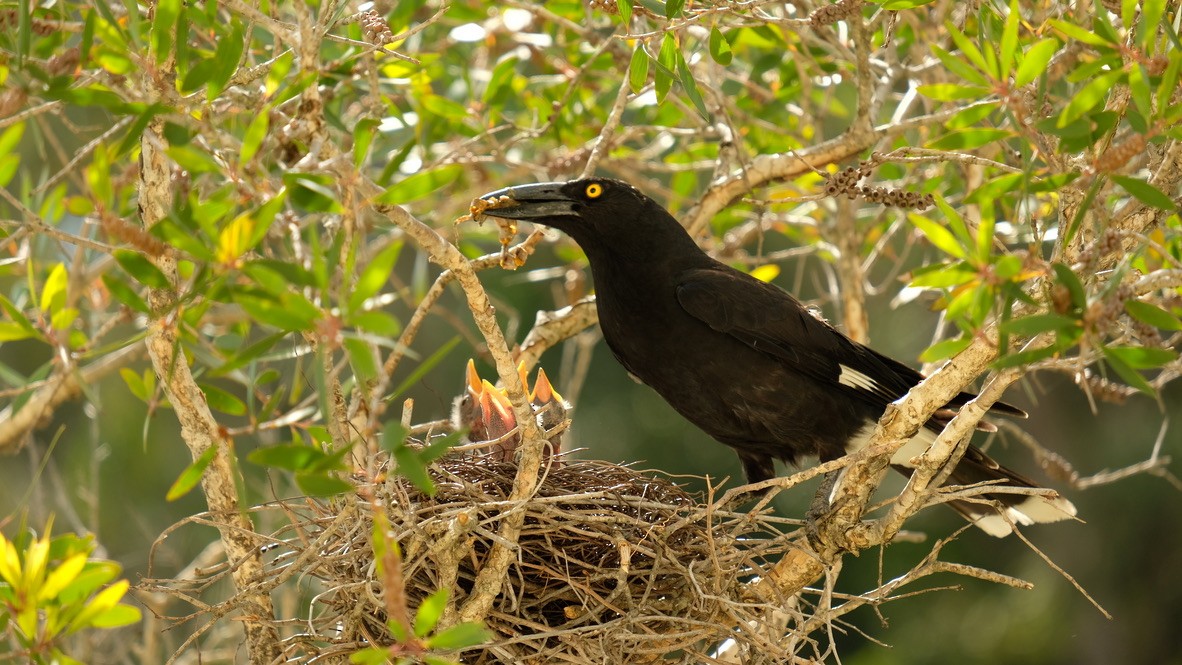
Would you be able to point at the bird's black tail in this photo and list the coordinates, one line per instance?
(997, 513)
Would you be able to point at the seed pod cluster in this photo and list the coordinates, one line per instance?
(376, 30)
(605, 6)
(846, 182)
(830, 14)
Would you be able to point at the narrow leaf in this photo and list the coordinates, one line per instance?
(720, 48)
(1153, 315)
(638, 69)
(1145, 192)
(192, 474)
(1034, 62)
(429, 613)
(1089, 96)
(938, 235)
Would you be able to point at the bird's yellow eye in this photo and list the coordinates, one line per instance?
(594, 190)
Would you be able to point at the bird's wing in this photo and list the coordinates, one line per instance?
(770, 320)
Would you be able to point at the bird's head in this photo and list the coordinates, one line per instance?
(597, 213)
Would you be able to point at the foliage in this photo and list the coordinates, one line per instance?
(222, 171)
(51, 588)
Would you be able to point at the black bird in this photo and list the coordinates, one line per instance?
(741, 359)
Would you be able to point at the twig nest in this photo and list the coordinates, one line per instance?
(613, 565)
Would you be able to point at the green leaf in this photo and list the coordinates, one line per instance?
(17, 317)
(673, 8)
(322, 484)
(10, 139)
(942, 276)
(229, 52)
(193, 159)
(502, 78)
(292, 457)
(98, 177)
(992, 189)
(394, 436)
(1009, 39)
(313, 193)
(53, 293)
(1141, 357)
(971, 115)
(625, 7)
(361, 359)
(376, 322)
(1067, 277)
(192, 474)
(1145, 192)
(61, 576)
(667, 62)
(375, 274)
(117, 617)
(459, 636)
(1149, 25)
(638, 69)
(971, 51)
(371, 656)
(1153, 315)
(949, 92)
(222, 400)
(135, 383)
(1029, 326)
(11, 332)
(1080, 34)
(440, 447)
(420, 184)
(275, 313)
(720, 48)
(1169, 79)
(197, 76)
(961, 68)
(938, 235)
(414, 469)
(164, 24)
(1126, 373)
(141, 268)
(1092, 94)
(956, 222)
(1139, 86)
(1034, 62)
(691, 87)
(945, 349)
(255, 133)
(429, 613)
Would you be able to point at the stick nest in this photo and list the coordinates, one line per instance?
(613, 565)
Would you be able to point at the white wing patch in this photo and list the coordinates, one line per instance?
(855, 379)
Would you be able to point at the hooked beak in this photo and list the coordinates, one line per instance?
(529, 202)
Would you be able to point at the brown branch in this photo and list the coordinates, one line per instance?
(55, 391)
(199, 430)
(491, 577)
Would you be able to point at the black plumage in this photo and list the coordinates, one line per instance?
(741, 359)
